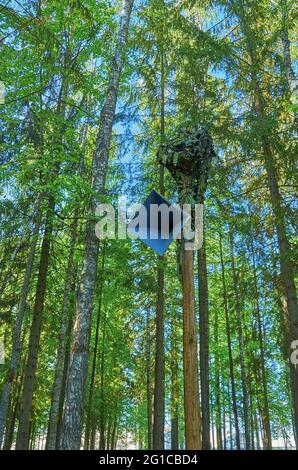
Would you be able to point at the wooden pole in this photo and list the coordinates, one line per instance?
(189, 165)
(190, 356)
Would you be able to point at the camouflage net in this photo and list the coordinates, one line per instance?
(188, 157)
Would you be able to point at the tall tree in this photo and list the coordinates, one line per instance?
(190, 360)
(289, 71)
(16, 346)
(240, 341)
(78, 365)
(204, 345)
(23, 437)
(159, 387)
(286, 266)
(265, 414)
(229, 344)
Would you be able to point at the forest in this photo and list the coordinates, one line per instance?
(104, 343)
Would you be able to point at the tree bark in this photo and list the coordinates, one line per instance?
(65, 366)
(159, 374)
(159, 410)
(258, 445)
(102, 408)
(54, 411)
(290, 74)
(286, 269)
(95, 352)
(77, 373)
(16, 341)
(23, 435)
(114, 432)
(265, 413)
(230, 417)
(228, 331)
(148, 380)
(218, 421)
(204, 346)
(286, 266)
(190, 356)
(241, 343)
(174, 388)
(15, 404)
(224, 432)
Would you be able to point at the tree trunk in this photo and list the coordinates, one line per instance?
(224, 432)
(78, 364)
(114, 432)
(159, 373)
(16, 403)
(258, 445)
(286, 269)
(290, 74)
(23, 435)
(212, 429)
(265, 411)
(159, 412)
(190, 356)
(252, 425)
(109, 431)
(95, 353)
(241, 342)
(286, 266)
(92, 434)
(16, 341)
(54, 411)
(102, 408)
(217, 388)
(148, 380)
(228, 330)
(174, 388)
(204, 346)
(65, 367)
(230, 418)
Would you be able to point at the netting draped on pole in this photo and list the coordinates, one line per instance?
(188, 155)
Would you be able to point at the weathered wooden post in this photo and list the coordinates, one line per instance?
(188, 157)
